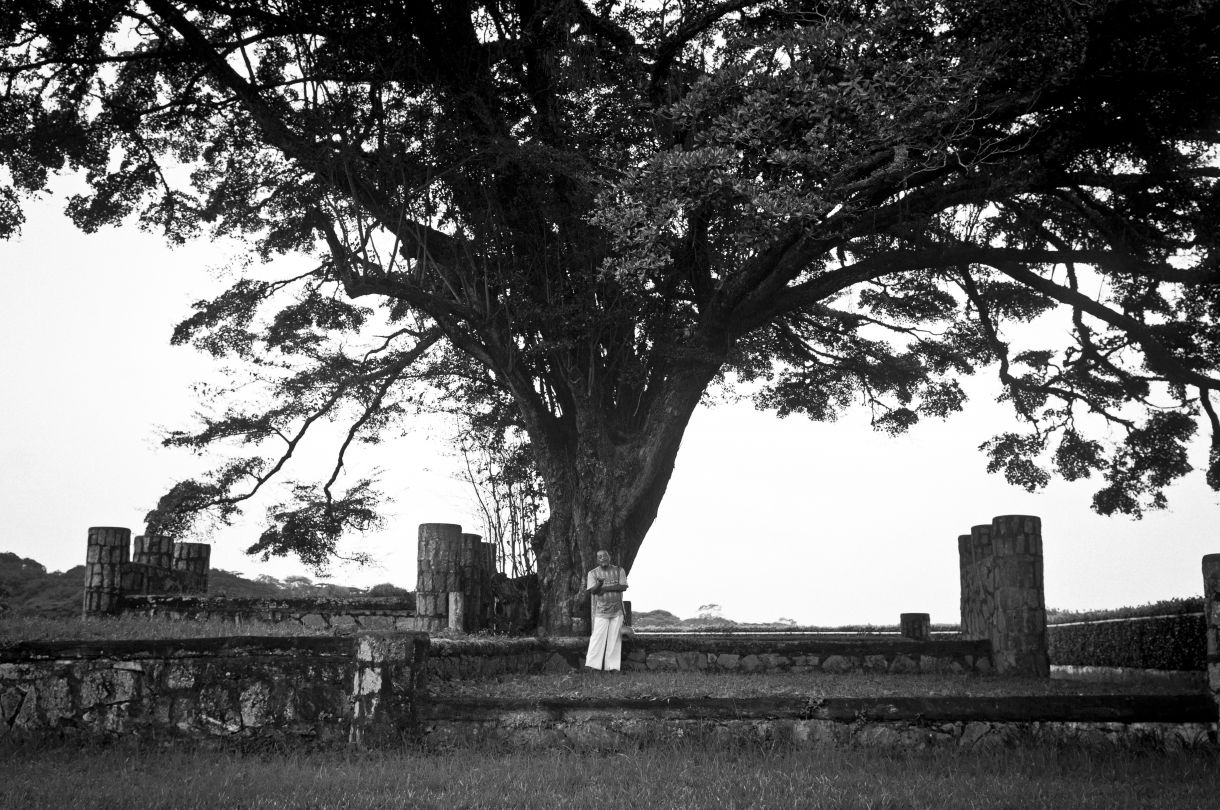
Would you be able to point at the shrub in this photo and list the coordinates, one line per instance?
(389, 589)
(1166, 607)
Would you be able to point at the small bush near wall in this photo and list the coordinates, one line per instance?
(1168, 643)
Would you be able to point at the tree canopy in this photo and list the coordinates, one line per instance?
(568, 219)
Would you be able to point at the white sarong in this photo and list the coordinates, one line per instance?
(606, 643)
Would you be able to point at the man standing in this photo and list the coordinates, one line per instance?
(606, 584)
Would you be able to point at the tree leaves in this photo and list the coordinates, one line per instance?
(1150, 459)
(597, 211)
(310, 526)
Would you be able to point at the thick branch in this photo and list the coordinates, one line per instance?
(1159, 358)
(426, 243)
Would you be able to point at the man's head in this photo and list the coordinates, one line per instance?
(603, 558)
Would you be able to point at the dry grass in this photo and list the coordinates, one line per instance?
(673, 777)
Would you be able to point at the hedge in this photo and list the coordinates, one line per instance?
(1165, 607)
(1166, 642)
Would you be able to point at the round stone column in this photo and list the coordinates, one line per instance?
(1211, 605)
(976, 559)
(487, 552)
(106, 551)
(438, 572)
(192, 559)
(155, 550)
(1018, 632)
(470, 582)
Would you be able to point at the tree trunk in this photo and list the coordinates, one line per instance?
(604, 493)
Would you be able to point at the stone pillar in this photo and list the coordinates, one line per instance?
(1002, 593)
(154, 550)
(472, 582)
(389, 678)
(1018, 635)
(192, 560)
(977, 566)
(457, 612)
(916, 626)
(1211, 605)
(487, 609)
(105, 554)
(489, 558)
(438, 573)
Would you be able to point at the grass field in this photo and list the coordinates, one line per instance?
(134, 779)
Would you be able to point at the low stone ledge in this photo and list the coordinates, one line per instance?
(1026, 709)
(343, 614)
(780, 645)
(635, 732)
(1180, 677)
(239, 604)
(487, 647)
(480, 658)
(135, 649)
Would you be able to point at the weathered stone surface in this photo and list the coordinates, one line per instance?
(728, 661)
(904, 663)
(663, 660)
(255, 705)
(751, 663)
(610, 730)
(837, 663)
(973, 732)
(556, 663)
(876, 663)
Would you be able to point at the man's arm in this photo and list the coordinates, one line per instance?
(593, 584)
(621, 586)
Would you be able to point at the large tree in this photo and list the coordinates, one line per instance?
(571, 218)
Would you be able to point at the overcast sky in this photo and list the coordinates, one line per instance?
(820, 523)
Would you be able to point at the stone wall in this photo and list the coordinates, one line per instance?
(371, 690)
(462, 658)
(352, 615)
(1162, 722)
(314, 689)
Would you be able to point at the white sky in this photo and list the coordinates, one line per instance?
(821, 523)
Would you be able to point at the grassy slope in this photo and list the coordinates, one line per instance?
(28, 589)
